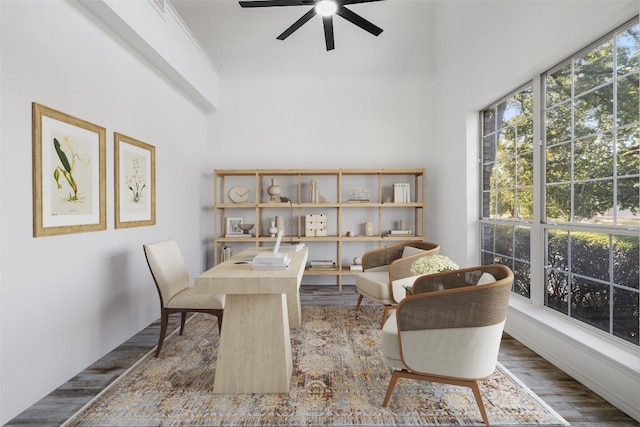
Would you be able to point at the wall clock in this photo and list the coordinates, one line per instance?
(239, 194)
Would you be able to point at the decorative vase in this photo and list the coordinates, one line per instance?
(279, 223)
(273, 230)
(274, 190)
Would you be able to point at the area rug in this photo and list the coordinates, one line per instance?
(339, 378)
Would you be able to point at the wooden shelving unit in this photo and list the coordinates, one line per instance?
(346, 217)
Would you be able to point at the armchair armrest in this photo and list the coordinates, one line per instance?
(459, 278)
(388, 254)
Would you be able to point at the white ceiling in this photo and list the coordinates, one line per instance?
(243, 40)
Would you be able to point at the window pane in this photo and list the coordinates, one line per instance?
(628, 108)
(489, 148)
(507, 143)
(559, 163)
(504, 240)
(525, 169)
(558, 203)
(594, 68)
(523, 243)
(557, 292)
(590, 302)
(558, 123)
(592, 198)
(506, 203)
(625, 261)
(627, 212)
(629, 50)
(489, 121)
(522, 278)
(558, 249)
(590, 255)
(594, 112)
(558, 86)
(628, 151)
(625, 315)
(525, 203)
(593, 157)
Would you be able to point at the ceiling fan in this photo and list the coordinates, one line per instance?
(324, 8)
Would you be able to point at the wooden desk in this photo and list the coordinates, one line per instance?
(254, 353)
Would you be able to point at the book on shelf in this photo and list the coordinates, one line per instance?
(401, 192)
(400, 232)
(238, 235)
(321, 262)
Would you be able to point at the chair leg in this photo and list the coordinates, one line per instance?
(164, 321)
(183, 320)
(358, 303)
(385, 315)
(392, 385)
(476, 392)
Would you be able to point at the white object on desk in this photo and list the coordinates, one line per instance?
(272, 261)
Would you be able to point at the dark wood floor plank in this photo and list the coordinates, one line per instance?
(576, 403)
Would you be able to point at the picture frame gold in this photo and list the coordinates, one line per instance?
(134, 182)
(69, 173)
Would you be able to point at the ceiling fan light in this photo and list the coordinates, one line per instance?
(326, 7)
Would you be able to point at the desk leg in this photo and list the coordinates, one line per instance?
(254, 355)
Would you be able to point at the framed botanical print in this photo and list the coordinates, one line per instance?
(135, 182)
(69, 173)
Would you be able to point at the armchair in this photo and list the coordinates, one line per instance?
(386, 269)
(172, 282)
(449, 330)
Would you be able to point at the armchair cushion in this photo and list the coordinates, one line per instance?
(375, 285)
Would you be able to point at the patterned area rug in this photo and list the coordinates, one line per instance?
(339, 378)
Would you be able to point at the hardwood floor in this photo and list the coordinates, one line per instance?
(577, 404)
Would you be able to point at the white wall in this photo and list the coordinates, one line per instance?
(492, 49)
(65, 301)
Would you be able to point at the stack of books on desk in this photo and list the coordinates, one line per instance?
(322, 264)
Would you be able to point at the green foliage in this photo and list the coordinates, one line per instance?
(600, 268)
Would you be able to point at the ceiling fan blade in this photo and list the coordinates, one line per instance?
(269, 3)
(327, 21)
(357, 1)
(358, 20)
(299, 23)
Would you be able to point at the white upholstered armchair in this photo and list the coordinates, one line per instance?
(172, 281)
(449, 330)
(385, 271)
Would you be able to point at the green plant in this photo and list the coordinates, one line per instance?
(136, 181)
(66, 170)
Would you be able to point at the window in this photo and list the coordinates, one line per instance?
(589, 207)
(507, 192)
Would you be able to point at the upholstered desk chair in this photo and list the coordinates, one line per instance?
(385, 271)
(172, 281)
(449, 330)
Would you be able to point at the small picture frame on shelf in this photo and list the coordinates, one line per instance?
(233, 226)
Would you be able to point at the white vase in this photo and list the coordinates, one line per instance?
(274, 190)
(273, 230)
(279, 223)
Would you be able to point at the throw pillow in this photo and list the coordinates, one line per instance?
(485, 279)
(410, 250)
